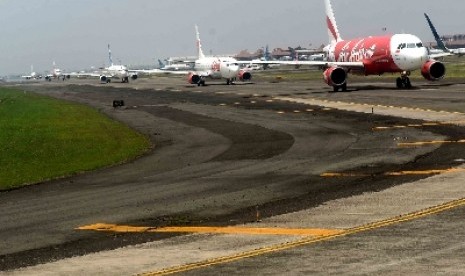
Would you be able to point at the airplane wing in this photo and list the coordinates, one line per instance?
(440, 55)
(158, 72)
(309, 63)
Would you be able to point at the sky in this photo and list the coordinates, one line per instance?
(75, 33)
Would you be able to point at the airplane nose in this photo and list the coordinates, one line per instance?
(229, 70)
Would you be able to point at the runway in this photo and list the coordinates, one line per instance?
(369, 181)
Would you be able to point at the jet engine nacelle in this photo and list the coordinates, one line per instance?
(105, 79)
(335, 76)
(433, 70)
(244, 75)
(193, 78)
(134, 76)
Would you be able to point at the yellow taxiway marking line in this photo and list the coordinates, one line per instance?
(399, 173)
(427, 143)
(310, 240)
(413, 125)
(105, 227)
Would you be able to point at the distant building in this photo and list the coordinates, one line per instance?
(452, 41)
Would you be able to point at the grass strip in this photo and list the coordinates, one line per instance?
(43, 138)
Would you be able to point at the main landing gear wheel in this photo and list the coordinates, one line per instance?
(201, 82)
(404, 81)
(343, 87)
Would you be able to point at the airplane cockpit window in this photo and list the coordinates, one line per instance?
(401, 46)
(411, 45)
(420, 45)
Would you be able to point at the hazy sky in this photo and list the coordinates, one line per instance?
(75, 33)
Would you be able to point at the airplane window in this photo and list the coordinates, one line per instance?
(411, 45)
(419, 45)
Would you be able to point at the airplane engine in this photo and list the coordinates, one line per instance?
(335, 76)
(105, 79)
(244, 75)
(134, 76)
(193, 78)
(433, 70)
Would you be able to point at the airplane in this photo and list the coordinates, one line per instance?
(56, 73)
(113, 71)
(116, 71)
(33, 75)
(440, 42)
(215, 67)
(171, 68)
(176, 66)
(373, 55)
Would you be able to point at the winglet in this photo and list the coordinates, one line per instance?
(199, 44)
(438, 39)
(333, 32)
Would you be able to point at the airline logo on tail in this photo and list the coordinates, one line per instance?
(199, 44)
(333, 32)
(438, 39)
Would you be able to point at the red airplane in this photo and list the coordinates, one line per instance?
(373, 55)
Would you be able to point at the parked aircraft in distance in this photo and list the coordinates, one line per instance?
(215, 67)
(113, 71)
(33, 75)
(175, 66)
(181, 68)
(56, 73)
(373, 55)
(440, 42)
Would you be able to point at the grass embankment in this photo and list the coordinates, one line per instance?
(43, 138)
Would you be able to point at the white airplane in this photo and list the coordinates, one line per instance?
(175, 66)
(215, 67)
(113, 71)
(56, 73)
(373, 55)
(171, 68)
(33, 75)
(116, 71)
(440, 42)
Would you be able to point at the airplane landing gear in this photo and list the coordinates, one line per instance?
(201, 82)
(404, 81)
(125, 79)
(342, 87)
(230, 81)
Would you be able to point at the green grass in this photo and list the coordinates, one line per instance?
(43, 138)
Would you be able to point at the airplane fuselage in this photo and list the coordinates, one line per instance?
(217, 67)
(381, 54)
(119, 71)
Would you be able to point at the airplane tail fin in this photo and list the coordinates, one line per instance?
(109, 55)
(267, 55)
(161, 64)
(199, 44)
(333, 32)
(438, 39)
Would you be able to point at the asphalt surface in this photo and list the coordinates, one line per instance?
(223, 152)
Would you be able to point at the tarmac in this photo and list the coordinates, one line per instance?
(262, 178)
